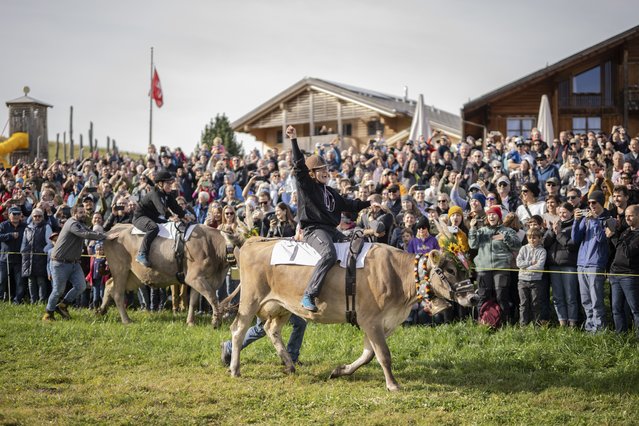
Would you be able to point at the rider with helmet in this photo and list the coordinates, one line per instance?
(319, 212)
(156, 207)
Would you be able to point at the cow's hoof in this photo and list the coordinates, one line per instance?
(393, 387)
(100, 312)
(127, 322)
(190, 324)
(289, 370)
(235, 373)
(338, 372)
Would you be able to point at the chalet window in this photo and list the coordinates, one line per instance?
(586, 124)
(280, 138)
(374, 126)
(347, 129)
(588, 81)
(519, 126)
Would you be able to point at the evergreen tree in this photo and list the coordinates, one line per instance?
(221, 127)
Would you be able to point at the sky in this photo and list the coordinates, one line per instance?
(228, 57)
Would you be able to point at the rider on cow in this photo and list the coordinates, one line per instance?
(156, 207)
(319, 212)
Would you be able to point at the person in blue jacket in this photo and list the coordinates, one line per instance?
(588, 230)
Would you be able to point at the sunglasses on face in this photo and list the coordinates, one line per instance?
(502, 184)
(442, 201)
(592, 203)
(524, 191)
(229, 213)
(491, 198)
(550, 183)
(264, 203)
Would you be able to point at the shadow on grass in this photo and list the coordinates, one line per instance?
(513, 375)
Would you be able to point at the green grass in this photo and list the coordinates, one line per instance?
(157, 371)
(101, 150)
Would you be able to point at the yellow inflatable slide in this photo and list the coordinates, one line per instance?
(16, 141)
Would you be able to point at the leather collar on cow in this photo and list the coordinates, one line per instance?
(423, 279)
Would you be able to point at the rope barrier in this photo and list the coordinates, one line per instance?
(45, 254)
(543, 271)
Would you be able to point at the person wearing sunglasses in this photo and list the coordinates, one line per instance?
(530, 205)
(319, 212)
(588, 231)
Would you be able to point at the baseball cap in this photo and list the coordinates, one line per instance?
(15, 210)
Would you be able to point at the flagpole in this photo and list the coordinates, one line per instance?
(151, 102)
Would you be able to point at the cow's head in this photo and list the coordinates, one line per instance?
(448, 280)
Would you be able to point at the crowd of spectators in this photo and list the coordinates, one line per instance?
(572, 198)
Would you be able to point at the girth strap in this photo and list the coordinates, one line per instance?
(179, 251)
(356, 245)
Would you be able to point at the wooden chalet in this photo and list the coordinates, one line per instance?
(594, 89)
(321, 110)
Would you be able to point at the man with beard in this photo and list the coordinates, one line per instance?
(65, 263)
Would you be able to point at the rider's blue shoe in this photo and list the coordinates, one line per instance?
(141, 258)
(308, 304)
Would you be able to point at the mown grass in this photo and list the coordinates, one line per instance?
(157, 371)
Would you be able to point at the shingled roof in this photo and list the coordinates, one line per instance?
(387, 105)
(554, 68)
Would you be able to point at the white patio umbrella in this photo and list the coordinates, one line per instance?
(420, 125)
(544, 122)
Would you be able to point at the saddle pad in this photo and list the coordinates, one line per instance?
(167, 230)
(289, 252)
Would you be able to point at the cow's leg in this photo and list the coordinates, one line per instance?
(377, 339)
(120, 303)
(190, 318)
(175, 302)
(106, 299)
(273, 328)
(240, 325)
(365, 358)
(205, 290)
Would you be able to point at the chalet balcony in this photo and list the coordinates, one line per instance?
(590, 101)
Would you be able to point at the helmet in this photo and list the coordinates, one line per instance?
(315, 162)
(163, 176)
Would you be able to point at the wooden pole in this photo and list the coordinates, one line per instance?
(108, 144)
(91, 137)
(81, 147)
(71, 150)
(64, 146)
(57, 146)
(151, 103)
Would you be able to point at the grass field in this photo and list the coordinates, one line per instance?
(157, 371)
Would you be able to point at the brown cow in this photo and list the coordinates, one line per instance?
(205, 268)
(386, 290)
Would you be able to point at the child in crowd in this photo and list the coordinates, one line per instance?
(423, 241)
(531, 257)
(97, 276)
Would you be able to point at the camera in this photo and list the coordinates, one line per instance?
(119, 208)
(92, 189)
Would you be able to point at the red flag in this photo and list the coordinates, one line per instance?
(156, 89)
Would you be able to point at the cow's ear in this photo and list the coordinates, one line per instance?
(435, 257)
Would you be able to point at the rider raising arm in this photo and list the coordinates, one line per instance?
(319, 212)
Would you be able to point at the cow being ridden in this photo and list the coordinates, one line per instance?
(205, 267)
(388, 285)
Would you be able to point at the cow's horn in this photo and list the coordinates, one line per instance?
(434, 257)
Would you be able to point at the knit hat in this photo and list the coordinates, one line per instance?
(481, 198)
(597, 196)
(455, 209)
(496, 210)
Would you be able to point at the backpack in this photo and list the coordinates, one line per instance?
(490, 314)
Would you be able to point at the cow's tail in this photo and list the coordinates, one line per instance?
(225, 305)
